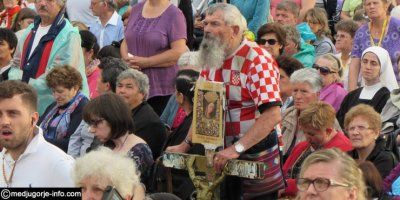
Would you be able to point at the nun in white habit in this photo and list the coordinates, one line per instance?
(378, 80)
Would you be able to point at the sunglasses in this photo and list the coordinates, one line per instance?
(264, 41)
(95, 122)
(323, 70)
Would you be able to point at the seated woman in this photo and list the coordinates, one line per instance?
(97, 179)
(90, 49)
(62, 117)
(330, 69)
(306, 84)
(363, 125)
(272, 37)
(287, 65)
(332, 174)
(184, 85)
(109, 119)
(379, 79)
(133, 87)
(93, 175)
(317, 122)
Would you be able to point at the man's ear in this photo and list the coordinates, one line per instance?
(235, 30)
(35, 118)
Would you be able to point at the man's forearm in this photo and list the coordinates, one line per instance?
(262, 127)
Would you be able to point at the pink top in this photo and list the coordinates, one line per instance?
(333, 94)
(92, 82)
(274, 4)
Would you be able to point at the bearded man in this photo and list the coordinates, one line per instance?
(251, 79)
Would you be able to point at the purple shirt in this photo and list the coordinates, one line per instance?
(333, 94)
(391, 42)
(147, 37)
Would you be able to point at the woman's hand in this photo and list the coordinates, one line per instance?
(137, 62)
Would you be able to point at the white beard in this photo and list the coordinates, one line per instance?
(211, 52)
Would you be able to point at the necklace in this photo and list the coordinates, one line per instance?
(382, 33)
(8, 180)
(120, 147)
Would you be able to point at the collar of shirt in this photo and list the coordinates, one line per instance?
(2, 70)
(112, 21)
(32, 146)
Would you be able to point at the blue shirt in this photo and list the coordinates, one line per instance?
(112, 31)
(255, 11)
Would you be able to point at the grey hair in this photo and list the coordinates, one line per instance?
(232, 15)
(307, 75)
(292, 34)
(103, 164)
(141, 79)
(337, 64)
(112, 3)
(189, 58)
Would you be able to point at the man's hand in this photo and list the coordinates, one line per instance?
(223, 156)
(180, 148)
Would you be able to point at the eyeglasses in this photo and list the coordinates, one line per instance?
(340, 36)
(323, 70)
(95, 122)
(358, 127)
(264, 41)
(320, 184)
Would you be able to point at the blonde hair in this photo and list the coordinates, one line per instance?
(336, 62)
(368, 113)
(318, 115)
(103, 164)
(348, 169)
(318, 16)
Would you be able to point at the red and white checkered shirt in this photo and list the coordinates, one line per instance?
(251, 78)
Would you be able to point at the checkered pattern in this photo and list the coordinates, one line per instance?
(251, 78)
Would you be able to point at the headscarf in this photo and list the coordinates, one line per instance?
(386, 76)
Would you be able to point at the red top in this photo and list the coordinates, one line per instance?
(339, 141)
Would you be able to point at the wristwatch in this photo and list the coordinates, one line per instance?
(239, 148)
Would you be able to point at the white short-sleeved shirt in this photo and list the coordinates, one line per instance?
(41, 165)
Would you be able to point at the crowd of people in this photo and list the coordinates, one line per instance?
(93, 92)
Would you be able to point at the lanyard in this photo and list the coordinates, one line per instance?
(382, 33)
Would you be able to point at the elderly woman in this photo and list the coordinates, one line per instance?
(62, 117)
(109, 120)
(381, 31)
(94, 176)
(331, 174)
(379, 79)
(330, 69)
(306, 84)
(155, 37)
(363, 125)
(272, 38)
(345, 31)
(297, 48)
(318, 22)
(287, 66)
(133, 86)
(317, 122)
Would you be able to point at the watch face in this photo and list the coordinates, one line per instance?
(239, 148)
